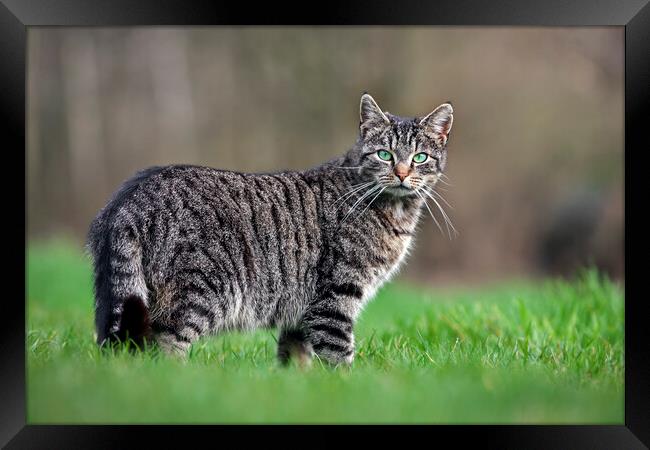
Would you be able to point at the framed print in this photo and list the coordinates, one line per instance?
(356, 217)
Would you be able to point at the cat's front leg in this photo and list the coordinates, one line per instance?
(327, 325)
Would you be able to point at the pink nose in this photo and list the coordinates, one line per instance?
(402, 171)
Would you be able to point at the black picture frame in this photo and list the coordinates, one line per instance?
(17, 15)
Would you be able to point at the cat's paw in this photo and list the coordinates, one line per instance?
(171, 346)
(298, 351)
(336, 356)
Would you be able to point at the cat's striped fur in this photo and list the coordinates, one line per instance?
(183, 251)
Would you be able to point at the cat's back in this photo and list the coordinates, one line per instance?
(161, 186)
(188, 202)
(148, 183)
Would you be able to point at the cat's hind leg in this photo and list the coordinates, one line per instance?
(294, 344)
(171, 341)
(190, 318)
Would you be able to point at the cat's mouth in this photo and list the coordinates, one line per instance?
(400, 190)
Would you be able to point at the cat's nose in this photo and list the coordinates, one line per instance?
(402, 171)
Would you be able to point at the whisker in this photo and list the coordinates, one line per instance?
(368, 205)
(348, 194)
(444, 214)
(432, 191)
(442, 177)
(365, 194)
(359, 184)
(430, 212)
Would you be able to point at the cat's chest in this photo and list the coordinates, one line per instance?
(396, 249)
(398, 238)
(383, 271)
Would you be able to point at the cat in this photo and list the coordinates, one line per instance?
(184, 251)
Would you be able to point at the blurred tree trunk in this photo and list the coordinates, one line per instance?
(172, 96)
(33, 159)
(82, 103)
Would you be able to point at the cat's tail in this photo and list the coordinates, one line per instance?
(121, 310)
(121, 293)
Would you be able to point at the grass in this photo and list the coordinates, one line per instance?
(549, 352)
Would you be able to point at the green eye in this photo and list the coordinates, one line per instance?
(383, 154)
(420, 158)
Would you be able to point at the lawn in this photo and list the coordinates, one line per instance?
(519, 352)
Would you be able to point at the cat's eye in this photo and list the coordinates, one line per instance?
(384, 155)
(420, 158)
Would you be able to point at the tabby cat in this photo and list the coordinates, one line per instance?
(183, 251)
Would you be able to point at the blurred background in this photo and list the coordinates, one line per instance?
(535, 154)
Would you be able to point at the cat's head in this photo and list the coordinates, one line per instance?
(401, 154)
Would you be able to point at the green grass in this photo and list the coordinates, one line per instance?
(522, 352)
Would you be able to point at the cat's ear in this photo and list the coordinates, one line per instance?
(370, 115)
(437, 124)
